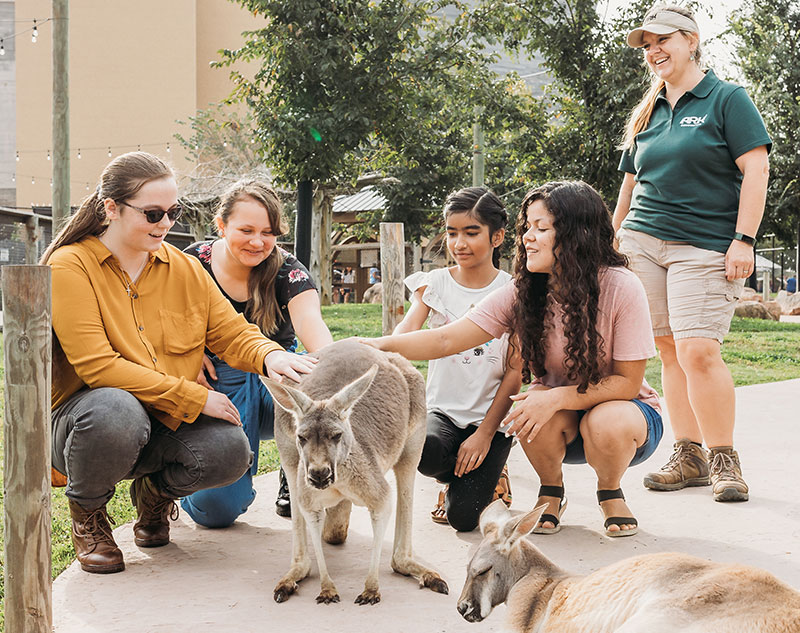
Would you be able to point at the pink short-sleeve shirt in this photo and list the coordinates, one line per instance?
(623, 322)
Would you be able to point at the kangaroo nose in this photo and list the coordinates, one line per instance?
(319, 477)
(463, 607)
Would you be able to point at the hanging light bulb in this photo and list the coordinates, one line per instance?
(87, 186)
(48, 154)
(13, 178)
(109, 152)
(2, 48)
(34, 33)
(51, 182)
(33, 180)
(168, 148)
(138, 148)
(79, 153)
(17, 155)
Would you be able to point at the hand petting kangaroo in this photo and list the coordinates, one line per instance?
(358, 414)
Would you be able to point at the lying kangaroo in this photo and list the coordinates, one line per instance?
(358, 414)
(654, 593)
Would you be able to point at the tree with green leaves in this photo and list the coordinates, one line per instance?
(596, 77)
(768, 52)
(341, 80)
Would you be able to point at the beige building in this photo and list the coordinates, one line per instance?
(135, 69)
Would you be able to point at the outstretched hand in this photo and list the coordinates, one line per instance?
(279, 364)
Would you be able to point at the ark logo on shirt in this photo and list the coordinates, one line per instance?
(693, 121)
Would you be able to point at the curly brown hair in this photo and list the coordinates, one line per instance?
(583, 245)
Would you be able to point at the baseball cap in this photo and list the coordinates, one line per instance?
(661, 23)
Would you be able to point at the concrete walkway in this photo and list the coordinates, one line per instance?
(221, 581)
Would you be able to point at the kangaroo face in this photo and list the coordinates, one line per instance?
(489, 579)
(323, 442)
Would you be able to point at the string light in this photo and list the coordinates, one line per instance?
(34, 33)
(87, 186)
(51, 182)
(17, 155)
(33, 180)
(168, 148)
(48, 154)
(79, 153)
(2, 48)
(109, 153)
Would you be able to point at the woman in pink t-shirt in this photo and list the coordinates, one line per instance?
(581, 321)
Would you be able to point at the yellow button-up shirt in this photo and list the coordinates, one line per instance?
(146, 337)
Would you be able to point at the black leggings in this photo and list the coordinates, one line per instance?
(469, 494)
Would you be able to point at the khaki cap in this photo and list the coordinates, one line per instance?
(661, 23)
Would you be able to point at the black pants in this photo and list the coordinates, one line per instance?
(469, 494)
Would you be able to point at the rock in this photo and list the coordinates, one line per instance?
(373, 294)
(754, 310)
(789, 303)
(774, 309)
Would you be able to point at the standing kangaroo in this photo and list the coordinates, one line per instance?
(358, 414)
(654, 593)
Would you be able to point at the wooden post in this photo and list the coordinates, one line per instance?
(32, 240)
(61, 193)
(393, 268)
(26, 521)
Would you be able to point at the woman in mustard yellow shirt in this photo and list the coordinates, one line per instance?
(132, 316)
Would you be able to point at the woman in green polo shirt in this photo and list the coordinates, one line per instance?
(696, 171)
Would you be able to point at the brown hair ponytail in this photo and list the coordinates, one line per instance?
(121, 179)
(640, 116)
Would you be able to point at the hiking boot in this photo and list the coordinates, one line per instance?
(726, 475)
(155, 510)
(94, 543)
(688, 466)
(283, 504)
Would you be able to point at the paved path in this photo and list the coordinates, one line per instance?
(220, 581)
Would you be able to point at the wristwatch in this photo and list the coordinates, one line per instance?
(747, 239)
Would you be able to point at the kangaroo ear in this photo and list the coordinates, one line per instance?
(519, 527)
(288, 398)
(345, 399)
(496, 514)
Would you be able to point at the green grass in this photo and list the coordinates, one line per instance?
(756, 351)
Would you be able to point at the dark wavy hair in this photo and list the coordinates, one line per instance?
(584, 243)
(484, 205)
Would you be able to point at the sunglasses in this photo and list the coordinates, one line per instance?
(154, 215)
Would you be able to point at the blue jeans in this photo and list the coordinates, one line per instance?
(219, 507)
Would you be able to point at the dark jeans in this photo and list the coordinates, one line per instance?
(469, 494)
(102, 436)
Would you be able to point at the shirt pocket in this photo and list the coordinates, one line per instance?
(184, 331)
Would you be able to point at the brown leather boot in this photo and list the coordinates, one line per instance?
(688, 466)
(94, 544)
(155, 510)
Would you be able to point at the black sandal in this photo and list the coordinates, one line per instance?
(551, 491)
(606, 495)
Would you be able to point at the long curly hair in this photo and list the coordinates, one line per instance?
(583, 245)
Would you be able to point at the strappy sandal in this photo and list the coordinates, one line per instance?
(606, 495)
(551, 491)
(503, 488)
(438, 514)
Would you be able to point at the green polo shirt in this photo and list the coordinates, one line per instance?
(687, 183)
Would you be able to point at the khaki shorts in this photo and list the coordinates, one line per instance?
(686, 287)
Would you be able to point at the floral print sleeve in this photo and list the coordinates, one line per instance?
(293, 278)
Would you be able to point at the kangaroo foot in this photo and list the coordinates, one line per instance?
(369, 596)
(434, 582)
(283, 590)
(326, 596)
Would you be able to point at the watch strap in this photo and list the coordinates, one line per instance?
(747, 239)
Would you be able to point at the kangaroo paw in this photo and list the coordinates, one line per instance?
(283, 590)
(434, 581)
(326, 596)
(369, 596)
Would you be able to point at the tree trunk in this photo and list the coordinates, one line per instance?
(321, 223)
